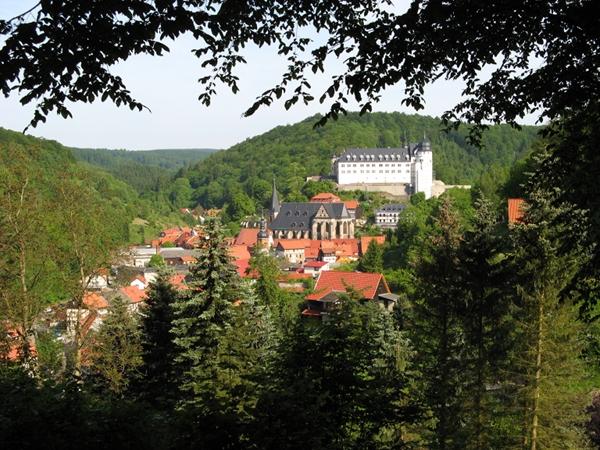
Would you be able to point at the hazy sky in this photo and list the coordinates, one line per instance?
(168, 86)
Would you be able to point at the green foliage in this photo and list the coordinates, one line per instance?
(157, 381)
(117, 350)
(276, 154)
(156, 261)
(372, 260)
(344, 379)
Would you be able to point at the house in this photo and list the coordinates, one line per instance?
(139, 256)
(315, 267)
(331, 284)
(516, 210)
(247, 237)
(387, 216)
(292, 250)
(325, 197)
(293, 281)
(177, 256)
(134, 295)
(99, 280)
(139, 282)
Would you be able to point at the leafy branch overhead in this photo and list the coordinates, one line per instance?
(539, 55)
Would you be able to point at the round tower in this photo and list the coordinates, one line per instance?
(424, 168)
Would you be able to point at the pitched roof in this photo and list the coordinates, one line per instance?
(247, 236)
(274, 199)
(333, 281)
(239, 252)
(391, 207)
(399, 153)
(134, 294)
(94, 300)
(516, 210)
(325, 197)
(298, 215)
(293, 244)
(178, 281)
(315, 264)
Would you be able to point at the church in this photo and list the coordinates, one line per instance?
(410, 165)
(309, 220)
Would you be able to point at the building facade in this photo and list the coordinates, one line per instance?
(309, 220)
(388, 215)
(411, 165)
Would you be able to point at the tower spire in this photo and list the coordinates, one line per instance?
(275, 206)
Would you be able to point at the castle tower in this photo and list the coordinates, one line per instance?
(275, 205)
(424, 168)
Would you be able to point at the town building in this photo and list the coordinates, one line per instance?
(410, 166)
(516, 210)
(387, 216)
(331, 284)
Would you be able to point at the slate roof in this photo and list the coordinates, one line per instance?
(392, 207)
(400, 153)
(299, 215)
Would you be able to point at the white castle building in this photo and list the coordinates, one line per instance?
(411, 165)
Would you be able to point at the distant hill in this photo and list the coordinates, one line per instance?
(242, 174)
(143, 169)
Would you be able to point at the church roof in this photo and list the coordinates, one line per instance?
(299, 215)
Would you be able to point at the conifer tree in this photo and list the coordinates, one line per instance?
(158, 349)
(436, 331)
(548, 364)
(372, 260)
(117, 350)
(202, 318)
(486, 323)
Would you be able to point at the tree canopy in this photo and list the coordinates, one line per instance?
(541, 55)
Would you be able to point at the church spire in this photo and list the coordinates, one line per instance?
(275, 206)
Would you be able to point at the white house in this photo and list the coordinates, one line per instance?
(388, 215)
(411, 165)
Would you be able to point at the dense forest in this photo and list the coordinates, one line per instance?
(242, 175)
(145, 170)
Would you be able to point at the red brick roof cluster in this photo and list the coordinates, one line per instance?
(366, 240)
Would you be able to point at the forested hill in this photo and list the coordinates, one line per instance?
(291, 153)
(143, 169)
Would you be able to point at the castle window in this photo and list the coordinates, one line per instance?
(297, 213)
(289, 213)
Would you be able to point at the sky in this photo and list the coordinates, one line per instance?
(168, 86)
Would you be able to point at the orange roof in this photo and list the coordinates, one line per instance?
(351, 204)
(515, 210)
(293, 244)
(311, 252)
(332, 281)
(134, 294)
(366, 240)
(188, 258)
(316, 264)
(178, 281)
(242, 266)
(93, 300)
(325, 197)
(247, 236)
(239, 252)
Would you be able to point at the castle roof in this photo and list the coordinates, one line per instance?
(299, 215)
(384, 154)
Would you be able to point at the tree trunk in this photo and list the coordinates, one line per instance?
(538, 376)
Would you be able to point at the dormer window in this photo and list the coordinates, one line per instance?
(297, 213)
(289, 213)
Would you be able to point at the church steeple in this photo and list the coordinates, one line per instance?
(275, 206)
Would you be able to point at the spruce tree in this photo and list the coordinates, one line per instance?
(158, 349)
(372, 260)
(486, 323)
(548, 365)
(436, 331)
(117, 348)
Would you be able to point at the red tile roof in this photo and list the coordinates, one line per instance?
(366, 240)
(239, 252)
(178, 281)
(247, 236)
(351, 204)
(242, 266)
(93, 300)
(515, 210)
(188, 259)
(325, 197)
(315, 264)
(333, 281)
(134, 294)
(293, 244)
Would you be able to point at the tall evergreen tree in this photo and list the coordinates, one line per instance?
(117, 350)
(436, 331)
(372, 260)
(548, 364)
(486, 324)
(158, 349)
